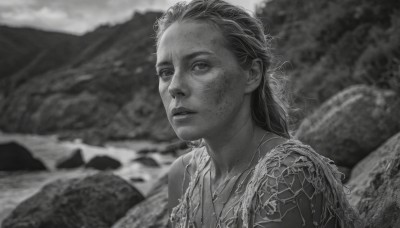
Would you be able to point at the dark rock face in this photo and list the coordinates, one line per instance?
(147, 161)
(375, 186)
(103, 163)
(150, 213)
(352, 124)
(75, 161)
(93, 202)
(15, 157)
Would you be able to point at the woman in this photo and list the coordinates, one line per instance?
(213, 63)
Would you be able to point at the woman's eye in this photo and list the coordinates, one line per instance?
(165, 73)
(200, 66)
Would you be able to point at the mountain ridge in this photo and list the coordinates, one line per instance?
(87, 96)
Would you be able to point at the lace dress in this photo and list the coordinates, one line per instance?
(271, 190)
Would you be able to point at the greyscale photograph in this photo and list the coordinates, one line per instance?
(199, 114)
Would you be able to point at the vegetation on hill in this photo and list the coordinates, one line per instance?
(94, 94)
(31, 51)
(330, 45)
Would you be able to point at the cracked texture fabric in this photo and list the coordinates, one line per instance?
(291, 182)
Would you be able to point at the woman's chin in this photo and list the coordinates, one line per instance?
(187, 134)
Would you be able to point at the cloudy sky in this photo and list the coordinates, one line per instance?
(80, 16)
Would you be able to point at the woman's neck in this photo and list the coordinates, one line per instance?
(231, 153)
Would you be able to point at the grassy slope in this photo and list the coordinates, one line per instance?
(331, 45)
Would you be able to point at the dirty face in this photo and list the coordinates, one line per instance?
(201, 83)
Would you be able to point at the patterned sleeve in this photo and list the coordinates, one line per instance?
(295, 187)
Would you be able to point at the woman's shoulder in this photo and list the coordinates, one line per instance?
(292, 184)
(299, 164)
(296, 155)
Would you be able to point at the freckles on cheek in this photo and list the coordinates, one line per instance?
(222, 87)
(218, 94)
(164, 96)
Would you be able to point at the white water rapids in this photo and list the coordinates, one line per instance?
(18, 186)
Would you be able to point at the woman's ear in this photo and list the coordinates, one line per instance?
(254, 75)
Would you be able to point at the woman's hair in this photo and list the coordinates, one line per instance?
(245, 37)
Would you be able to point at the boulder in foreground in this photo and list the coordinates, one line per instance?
(375, 186)
(150, 213)
(96, 201)
(14, 157)
(352, 124)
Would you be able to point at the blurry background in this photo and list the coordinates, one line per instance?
(80, 16)
(77, 78)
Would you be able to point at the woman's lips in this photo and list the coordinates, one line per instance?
(182, 117)
(180, 113)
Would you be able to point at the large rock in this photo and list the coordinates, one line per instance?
(93, 202)
(353, 123)
(370, 170)
(74, 161)
(103, 163)
(375, 186)
(388, 149)
(14, 156)
(147, 161)
(150, 213)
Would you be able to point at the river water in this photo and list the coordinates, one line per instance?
(18, 186)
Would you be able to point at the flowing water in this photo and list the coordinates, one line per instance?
(18, 186)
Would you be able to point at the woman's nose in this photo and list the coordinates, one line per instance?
(177, 87)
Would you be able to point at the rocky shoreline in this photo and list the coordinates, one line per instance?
(18, 187)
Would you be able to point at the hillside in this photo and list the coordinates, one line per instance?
(329, 46)
(28, 51)
(105, 90)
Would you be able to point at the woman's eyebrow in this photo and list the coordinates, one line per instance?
(185, 57)
(164, 63)
(195, 54)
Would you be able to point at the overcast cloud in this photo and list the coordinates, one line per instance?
(80, 16)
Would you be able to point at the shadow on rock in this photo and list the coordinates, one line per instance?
(93, 202)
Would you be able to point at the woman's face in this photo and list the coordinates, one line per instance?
(201, 83)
